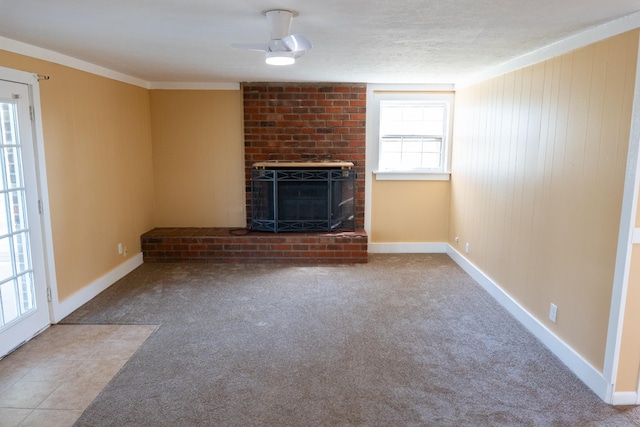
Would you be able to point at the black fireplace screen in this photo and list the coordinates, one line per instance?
(303, 200)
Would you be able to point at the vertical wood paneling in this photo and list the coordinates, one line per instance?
(538, 172)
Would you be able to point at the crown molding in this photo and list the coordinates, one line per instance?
(68, 61)
(194, 86)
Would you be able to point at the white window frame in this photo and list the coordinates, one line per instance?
(446, 98)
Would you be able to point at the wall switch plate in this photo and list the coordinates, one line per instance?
(553, 312)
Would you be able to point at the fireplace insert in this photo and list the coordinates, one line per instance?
(303, 199)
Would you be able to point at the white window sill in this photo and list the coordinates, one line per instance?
(411, 176)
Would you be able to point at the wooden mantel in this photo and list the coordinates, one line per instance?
(285, 164)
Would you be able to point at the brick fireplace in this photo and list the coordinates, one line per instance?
(306, 123)
(284, 122)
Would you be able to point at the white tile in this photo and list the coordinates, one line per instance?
(53, 370)
(51, 418)
(72, 395)
(10, 417)
(27, 394)
(98, 370)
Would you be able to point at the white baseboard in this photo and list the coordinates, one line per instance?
(75, 301)
(625, 398)
(593, 378)
(407, 248)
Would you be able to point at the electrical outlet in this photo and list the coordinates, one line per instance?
(466, 247)
(457, 239)
(119, 248)
(553, 312)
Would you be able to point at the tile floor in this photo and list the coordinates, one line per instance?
(50, 380)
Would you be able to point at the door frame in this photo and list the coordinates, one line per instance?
(32, 81)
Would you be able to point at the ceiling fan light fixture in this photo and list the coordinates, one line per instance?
(283, 48)
(280, 58)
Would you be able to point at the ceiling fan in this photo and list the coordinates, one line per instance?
(283, 48)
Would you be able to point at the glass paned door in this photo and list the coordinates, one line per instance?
(23, 306)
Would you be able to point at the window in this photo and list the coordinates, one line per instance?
(413, 135)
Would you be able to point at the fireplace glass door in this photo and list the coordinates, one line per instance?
(303, 200)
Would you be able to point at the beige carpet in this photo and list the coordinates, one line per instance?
(406, 340)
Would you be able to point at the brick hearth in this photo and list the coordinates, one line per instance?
(232, 245)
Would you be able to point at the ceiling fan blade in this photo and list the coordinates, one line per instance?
(262, 47)
(297, 43)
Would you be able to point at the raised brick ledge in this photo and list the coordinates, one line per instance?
(189, 244)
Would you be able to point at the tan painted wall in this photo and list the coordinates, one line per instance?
(409, 211)
(97, 141)
(538, 170)
(198, 158)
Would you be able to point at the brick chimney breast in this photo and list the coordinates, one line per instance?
(306, 123)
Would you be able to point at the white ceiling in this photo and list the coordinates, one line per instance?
(371, 41)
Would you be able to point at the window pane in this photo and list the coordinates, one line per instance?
(432, 146)
(22, 253)
(6, 268)
(411, 161)
(8, 114)
(12, 171)
(412, 134)
(412, 114)
(391, 145)
(412, 145)
(390, 121)
(4, 227)
(433, 128)
(413, 128)
(391, 161)
(434, 113)
(18, 217)
(391, 113)
(431, 160)
(27, 294)
(8, 300)
(421, 119)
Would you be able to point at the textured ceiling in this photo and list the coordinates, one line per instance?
(371, 41)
